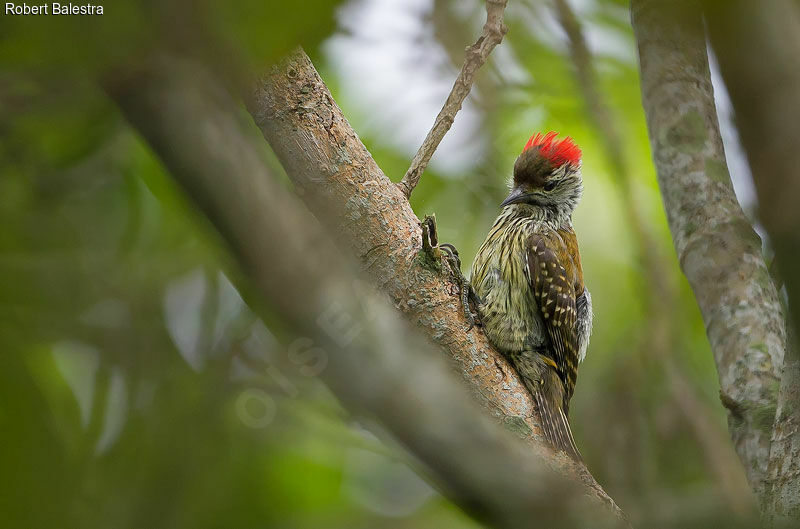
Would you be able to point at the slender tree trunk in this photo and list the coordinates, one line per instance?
(719, 251)
(758, 48)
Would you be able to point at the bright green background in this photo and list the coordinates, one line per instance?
(106, 275)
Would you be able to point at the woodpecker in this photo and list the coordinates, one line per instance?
(534, 306)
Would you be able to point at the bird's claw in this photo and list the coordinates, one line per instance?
(431, 246)
(467, 292)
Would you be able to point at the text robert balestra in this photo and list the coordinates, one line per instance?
(52, 9)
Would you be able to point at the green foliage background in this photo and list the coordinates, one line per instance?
(138, 390)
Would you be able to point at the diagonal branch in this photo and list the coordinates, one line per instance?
(491, 36)
(385, 369)
(339, 181)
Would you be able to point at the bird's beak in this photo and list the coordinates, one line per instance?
(517, 195)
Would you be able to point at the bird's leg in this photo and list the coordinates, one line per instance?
(468, 294)
(430, 245)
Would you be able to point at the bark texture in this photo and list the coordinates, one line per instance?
(781, 505)
(385, 369)
(719, 251)
(338, 179)
(762, 73)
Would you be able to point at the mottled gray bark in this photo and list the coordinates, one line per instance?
(384, 369)
(719, 251)
(758, 48)
(781, 504)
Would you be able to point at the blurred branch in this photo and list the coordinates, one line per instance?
(384, 368)
(658, 337)
(762, 74)
(719, 251)
(476, 55)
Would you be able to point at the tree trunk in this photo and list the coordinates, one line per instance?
(719, 251)
(758, 47)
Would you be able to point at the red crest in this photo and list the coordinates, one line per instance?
(557, 152)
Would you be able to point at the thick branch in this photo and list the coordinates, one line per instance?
(339, 180)
(491, 36)
(762, 73)
(384, 369)
(719, 252)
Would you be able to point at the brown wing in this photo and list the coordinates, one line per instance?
(555, 293)
(573, 263)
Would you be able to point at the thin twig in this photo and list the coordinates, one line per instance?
(491, 36)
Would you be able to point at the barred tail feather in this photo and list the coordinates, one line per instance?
(547, 389)
(555, 425)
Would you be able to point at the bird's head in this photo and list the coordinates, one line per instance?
(547, 175)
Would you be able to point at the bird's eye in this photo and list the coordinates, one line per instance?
(549, 186)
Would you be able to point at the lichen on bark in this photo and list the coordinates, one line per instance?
(718, 250)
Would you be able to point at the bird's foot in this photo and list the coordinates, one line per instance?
(430, 244)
